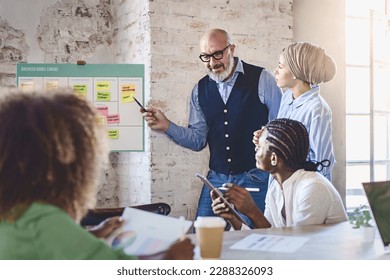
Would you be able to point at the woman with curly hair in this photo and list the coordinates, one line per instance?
(52, 153)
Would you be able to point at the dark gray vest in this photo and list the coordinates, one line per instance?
(231, 126)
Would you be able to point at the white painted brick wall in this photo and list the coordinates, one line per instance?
(260, 29)
(164, 35)
(133, 46)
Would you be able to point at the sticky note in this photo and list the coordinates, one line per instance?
(113, 134)
(102, 120)
(80, 91)
(103, 85)
(102, 110)
(127, 93)
(113, 119)
(80, 88)
(27, 86)
(103, 96)
(51, 85)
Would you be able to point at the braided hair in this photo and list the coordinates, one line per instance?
(289, 140)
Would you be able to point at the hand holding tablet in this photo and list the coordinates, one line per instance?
(223, 199)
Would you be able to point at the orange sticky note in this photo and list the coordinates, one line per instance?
(127, 93)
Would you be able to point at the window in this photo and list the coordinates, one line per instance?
(367, 96)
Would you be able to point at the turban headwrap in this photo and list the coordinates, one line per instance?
(309, 63)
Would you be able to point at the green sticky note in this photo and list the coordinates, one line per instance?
(80, 88)
(103, 96)
(113, 134)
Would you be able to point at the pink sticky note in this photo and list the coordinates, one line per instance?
(103, 110)
(113, 119)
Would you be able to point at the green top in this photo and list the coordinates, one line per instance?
(46, 232)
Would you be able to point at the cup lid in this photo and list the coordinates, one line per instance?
(210, 221)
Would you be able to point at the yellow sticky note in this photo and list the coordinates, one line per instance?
(103, 96)
(102, 120)
(80, 95)
(103, 85)
(27, 86)
(127, 93)
(51, 85)
(113, 134)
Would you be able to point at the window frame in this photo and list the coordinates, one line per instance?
(357, 191)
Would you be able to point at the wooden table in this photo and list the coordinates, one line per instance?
(332, 242)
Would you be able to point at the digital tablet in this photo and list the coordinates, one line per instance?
(220, 194)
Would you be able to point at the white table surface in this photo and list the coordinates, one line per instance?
(332, 242)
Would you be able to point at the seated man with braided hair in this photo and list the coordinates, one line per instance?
(298, 195)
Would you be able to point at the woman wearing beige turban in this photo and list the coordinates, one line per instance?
(302, 68)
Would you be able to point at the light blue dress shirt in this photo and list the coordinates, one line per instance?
(195, 135)
(313, 111)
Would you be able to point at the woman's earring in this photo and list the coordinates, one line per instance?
(294, 78)
(273, 162)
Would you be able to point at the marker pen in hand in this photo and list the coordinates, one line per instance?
(143, 110)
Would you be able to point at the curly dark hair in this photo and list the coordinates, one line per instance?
(52, 149)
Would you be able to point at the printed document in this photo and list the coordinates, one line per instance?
(144, 233)
(270, 243)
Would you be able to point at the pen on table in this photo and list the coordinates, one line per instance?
(139, 104)
(248, 189)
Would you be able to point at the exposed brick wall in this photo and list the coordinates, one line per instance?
(67, 31)
(13, 49)
(163, 35)
(259, 29)
(73, 29)
(132, 43)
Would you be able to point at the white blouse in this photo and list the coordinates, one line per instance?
(309, 199)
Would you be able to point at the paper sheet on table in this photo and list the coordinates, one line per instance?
(144, 233)
(270, 243)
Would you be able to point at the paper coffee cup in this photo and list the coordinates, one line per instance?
(209, 235)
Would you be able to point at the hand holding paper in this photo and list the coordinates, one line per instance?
(107, 227)
(146, 233)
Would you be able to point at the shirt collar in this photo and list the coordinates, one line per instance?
(307, 96)
(292, 179)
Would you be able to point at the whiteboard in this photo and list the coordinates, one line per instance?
(110, 88)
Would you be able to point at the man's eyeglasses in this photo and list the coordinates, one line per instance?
(218, 55)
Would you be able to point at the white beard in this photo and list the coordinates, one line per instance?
(222, 76)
